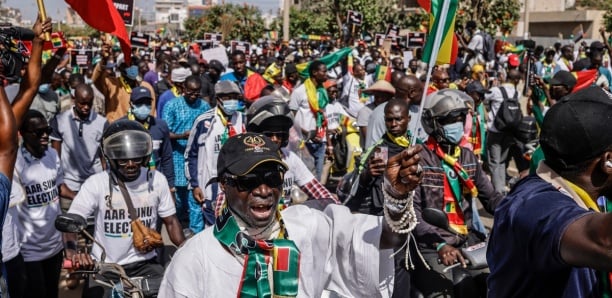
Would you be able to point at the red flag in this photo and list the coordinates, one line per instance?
(102, 15)
(585, 78)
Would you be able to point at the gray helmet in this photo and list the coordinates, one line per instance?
(126, 139)
(441, 104)
(269, 111)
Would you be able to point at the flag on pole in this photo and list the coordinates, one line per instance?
(102, 15)
(578, 33)
(449, 45)
(329, 60)
(584, 78)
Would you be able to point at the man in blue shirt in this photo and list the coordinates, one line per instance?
(551, 237)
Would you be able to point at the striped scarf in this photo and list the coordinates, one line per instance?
(317, 100)
(452, 187)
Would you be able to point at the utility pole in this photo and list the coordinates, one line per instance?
(526, 21)
(286, 7)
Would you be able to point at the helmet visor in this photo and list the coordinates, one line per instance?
(127, 144)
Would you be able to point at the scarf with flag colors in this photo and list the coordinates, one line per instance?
(281, 255)
(317, 101)
(449, 46)
(584, 78)
(453, 190)
(102, 15)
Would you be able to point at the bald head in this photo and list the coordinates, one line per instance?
(83, 90)
(410, 89)
(514, 76)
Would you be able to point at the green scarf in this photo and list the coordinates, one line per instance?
(281, 253)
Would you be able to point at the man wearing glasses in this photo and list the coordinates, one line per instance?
(179, 114)
(208, 134)
(255, 250)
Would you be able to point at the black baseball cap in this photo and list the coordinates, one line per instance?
(563, 77)
(244, 152)
(574, 128)
(140, 94)
(476, 86)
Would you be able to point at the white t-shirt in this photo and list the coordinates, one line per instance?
(40, 179)
(339, 252)
(11, 237)
(494, 100)
(151, 198)
(304, 119)
(297, 174)
(332, 113)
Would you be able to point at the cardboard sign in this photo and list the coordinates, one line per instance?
(217, 53)
(126, 10)
(354, 17)
(140, 40)
(81, 58)
(241, 46)
(205, 44)
(387, 43)
(415, 40)
(378, 39)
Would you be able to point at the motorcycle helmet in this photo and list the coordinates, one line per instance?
(270, 113)
(126, 139)
(442, 104)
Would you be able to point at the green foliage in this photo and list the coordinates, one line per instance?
(490, 15)
(76, 30)
(241, 22)
(599, 5)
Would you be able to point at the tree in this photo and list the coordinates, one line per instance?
(491, 15)
(241, 22)
(599, 5)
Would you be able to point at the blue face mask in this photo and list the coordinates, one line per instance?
(141, 112)
(44, 88)
(453, 132)
(231, 106)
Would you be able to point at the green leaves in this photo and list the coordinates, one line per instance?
(234, 21)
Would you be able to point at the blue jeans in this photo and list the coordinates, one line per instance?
(188, 210)
(317, 150)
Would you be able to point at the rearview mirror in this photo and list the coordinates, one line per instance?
(70, 223)
(435, 217)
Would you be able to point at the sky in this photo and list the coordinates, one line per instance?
(56, 9)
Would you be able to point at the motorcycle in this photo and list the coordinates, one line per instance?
(103, 271)
(475, 256)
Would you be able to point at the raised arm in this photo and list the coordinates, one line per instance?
(29, 85)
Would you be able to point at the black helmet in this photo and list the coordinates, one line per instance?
(269, 113)
(126, 139)
(441, 104)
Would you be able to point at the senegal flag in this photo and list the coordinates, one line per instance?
(449, 45)
(329, 60)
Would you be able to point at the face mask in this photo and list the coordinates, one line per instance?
(141, 112)
(453, 132)
(44, 88)
(230, 106)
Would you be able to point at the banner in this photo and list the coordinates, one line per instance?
(354, 17)
(126, 10)
(392, 30)
(415, 40)
(140, 40)
(214, 37)
(81, 58)
(241, 46)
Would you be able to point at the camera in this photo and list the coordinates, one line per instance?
(12, 49)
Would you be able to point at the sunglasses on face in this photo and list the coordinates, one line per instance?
(251, 181)
(192, 93)
(41, 131)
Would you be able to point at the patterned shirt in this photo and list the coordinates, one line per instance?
(180, 116)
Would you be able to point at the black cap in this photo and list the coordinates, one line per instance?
(563, 77)
(597, 45)
(290, 68)
(574, 129)
(243, 152)
(139, 94)
(216, 65)
(476, 86)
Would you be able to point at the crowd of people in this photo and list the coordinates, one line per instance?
(306, 167)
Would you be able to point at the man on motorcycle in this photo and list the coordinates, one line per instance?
(452, 180)
(127, 146)
(551, 237)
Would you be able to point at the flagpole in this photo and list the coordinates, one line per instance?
(432, 61)
(43, 16)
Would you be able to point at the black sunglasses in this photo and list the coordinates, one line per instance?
(251, 181)
(41, 131)
(279, 134)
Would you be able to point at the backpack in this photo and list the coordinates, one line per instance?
(509, 114)
(488, 46)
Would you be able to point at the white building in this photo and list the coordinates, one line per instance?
(171, 11)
